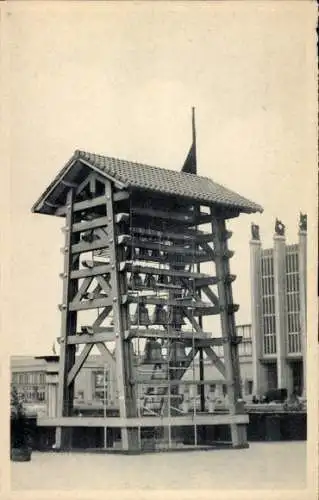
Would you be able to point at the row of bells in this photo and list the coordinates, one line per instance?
(90, 236)
(153, 353)
(145, 254)
(150, 281)
(160, 316)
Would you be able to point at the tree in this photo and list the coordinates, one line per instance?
(19, 431)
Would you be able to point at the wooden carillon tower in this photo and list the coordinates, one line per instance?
(134, 238)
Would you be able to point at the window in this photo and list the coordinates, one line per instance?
(41, 394)
(80, 395)
(100, 396)
(249, 387)
(101, 378)
(100, 384)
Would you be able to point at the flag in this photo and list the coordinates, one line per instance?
(190, 165)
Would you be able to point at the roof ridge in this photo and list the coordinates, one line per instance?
(78, 153)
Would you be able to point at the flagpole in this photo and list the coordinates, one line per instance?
(194, 131)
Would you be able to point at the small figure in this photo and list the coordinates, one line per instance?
(280, 228)
(303, 222)
(255, 232)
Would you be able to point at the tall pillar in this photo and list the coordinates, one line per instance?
(281, 305)
(303, 295)
(259, 370)
(52, 385)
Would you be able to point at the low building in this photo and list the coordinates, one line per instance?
(95, 386)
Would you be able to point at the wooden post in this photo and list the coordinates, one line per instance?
(68, 327)
(231, 361)
(123, 348)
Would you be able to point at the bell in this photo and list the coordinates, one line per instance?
(143, 253)
(150, 281)
(160, 315)
(135, 281)
(176, 317)
(152, 353)
(141, 316)
(163, 279)
(177, 352)
(155, 253)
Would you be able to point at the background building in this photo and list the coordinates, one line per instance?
(278, 279)
(95, 387)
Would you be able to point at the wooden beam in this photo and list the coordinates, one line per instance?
(210, 295)
(231, 360)
(205, 306)
(170, 249)
(65, 392)
(121, 195)
(51, 205)
(188, 236)
(79, 362)
(105, 177)
(179, 372)
(205, 311)
(68, 184)
(216, 360)
(85, 183)
(149, 421)
(122, 217)
(104, 284)
(177, 382)
(173, 216)
(83, 288)
(171, 334)
(95, 271)
(90, 203)
(84, 247)
(193, 321)
(207, 250)
(212, 341)
(90, 304)
(122, 359)
(203, 218)
(209, 280)
(102, 316)
(106, 354)
(90, 224)
(91, 339)
(165, 272)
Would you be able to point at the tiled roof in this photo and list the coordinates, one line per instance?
(155, 179)
(167, 181)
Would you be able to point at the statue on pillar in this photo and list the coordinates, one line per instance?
(255, 232)
(302, 222)
(280, 228)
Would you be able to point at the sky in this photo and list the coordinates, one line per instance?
(120, 79)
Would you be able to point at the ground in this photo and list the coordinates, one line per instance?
(262, 466)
